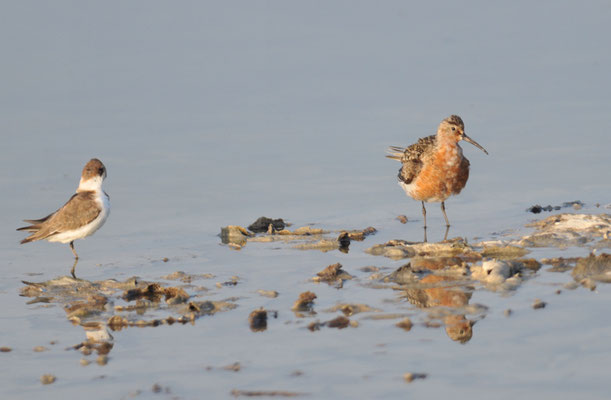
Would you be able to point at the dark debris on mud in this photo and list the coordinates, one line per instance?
(537, 209)
(304, 238)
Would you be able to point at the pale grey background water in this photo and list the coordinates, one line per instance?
(208, 114)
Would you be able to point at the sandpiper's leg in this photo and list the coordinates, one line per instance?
(72, 271)
(445, 237)
(424, 214)
(73, 251)
(443, 208)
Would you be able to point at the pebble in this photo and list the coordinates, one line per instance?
(538, 303)
(47, 379)
(411, 376)
(405, 324)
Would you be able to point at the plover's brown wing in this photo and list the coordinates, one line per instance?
(80, 210)
(413, 158)
(37, 221)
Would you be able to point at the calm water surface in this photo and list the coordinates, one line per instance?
(208, 115)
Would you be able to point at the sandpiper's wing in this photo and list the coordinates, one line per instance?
(462, 177)
(412, 157)
(80, 210)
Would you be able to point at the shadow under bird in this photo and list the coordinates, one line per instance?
(81, 216)
(434, 168)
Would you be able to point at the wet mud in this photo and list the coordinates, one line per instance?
(434, 287)
(102, 307)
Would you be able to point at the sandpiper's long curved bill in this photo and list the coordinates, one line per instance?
(473, 142)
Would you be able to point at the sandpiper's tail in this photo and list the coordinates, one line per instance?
(395, 153)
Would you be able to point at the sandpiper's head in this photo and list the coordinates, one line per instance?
(453, 128)
(93, 174)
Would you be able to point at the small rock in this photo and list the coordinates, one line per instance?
(268, 293)
(102, 359)
(344, 241)
(234, 235)
(308, 230)
(305, 302)
(156, 388)
(361, 235)
(340, 322)
(332, 273)
(538, 303)
(40, 349)
(405, 324)
(262, 224)
(5, 349)
(535, 209)
(47, 379)
(85, 362)
(411, 376)
(258, 320)
(402, 219)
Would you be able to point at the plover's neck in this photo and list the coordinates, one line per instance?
(90, 185)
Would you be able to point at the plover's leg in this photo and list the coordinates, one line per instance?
(73, 251)
(445, 237)
(443, 208)
(74, 268)
(424, 214)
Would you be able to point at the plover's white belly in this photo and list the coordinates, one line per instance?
(85, 230)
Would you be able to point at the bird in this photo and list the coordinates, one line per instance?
(434, 168)
(82, 215)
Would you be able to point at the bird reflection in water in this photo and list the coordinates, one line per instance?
(443, 296)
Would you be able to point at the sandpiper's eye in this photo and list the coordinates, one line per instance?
(101, 171)
(453, 129)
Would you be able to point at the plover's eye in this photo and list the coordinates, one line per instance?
(453, 129)
(101, 171)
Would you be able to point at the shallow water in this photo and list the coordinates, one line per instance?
(209, 115)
